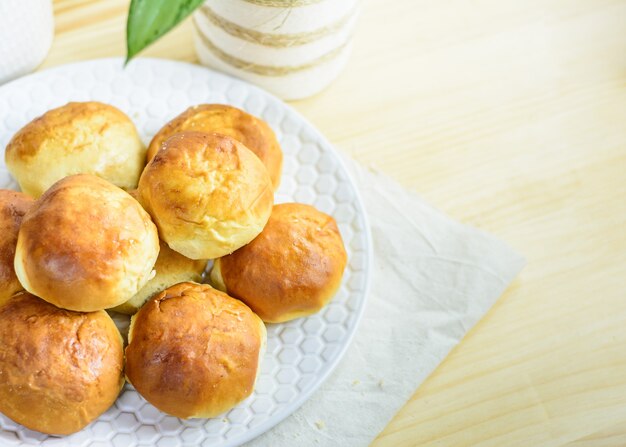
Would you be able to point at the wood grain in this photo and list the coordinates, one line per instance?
(508, 115)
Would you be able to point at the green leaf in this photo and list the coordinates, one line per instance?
(148, 20)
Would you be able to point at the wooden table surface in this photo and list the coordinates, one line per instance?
(509, 115)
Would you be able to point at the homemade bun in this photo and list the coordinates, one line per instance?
(60, 369)
(193, 351)
(13, 206)
(86, 245)
(207, 193)
(79, 137)
(171, 268)
(253, 132)
(292, 269)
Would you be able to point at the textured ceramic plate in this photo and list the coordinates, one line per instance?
(301, 353)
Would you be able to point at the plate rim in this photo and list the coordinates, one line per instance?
(303, 397)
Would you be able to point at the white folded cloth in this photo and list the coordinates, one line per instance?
(434, 278)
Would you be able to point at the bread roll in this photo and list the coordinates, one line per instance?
(193, 351)
(171, 268)
(79, 137)
(13, 206)
(253, 132)
(292, 269)
(86, 245)
(60, 369)
(207, 194)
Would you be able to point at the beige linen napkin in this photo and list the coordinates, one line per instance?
(433, 279)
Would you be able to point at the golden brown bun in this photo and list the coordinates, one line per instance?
(171, 268)
(85, 245)
(79, 137)
(207, 194)
(292, 269)
(253, 132)
(13, 206)
(194, 351)
(60, 369)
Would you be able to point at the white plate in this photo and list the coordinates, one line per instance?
(301, 353)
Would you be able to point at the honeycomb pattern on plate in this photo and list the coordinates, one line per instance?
(300, 353)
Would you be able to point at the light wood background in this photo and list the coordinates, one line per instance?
(509, 115)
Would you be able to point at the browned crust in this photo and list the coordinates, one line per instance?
(292, 269)
(60, 369)
(207, 193)
(193, 351)
(253, 132)
(13, 206)
(84, 244)
(79, 137)
(63, 123)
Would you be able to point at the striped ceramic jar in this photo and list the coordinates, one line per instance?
(293, 48)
